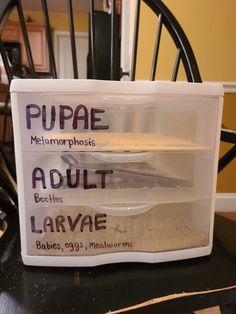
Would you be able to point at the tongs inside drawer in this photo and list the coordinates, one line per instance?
(124, 175)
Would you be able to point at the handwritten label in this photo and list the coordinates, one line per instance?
(63, 223)
(71, 142)
(81, 247)
(77, 118)
(55, 179)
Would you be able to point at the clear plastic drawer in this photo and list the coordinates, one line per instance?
(130, 116)
(118, 183)
(81, 231)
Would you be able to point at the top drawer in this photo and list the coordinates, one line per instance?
(83, 115)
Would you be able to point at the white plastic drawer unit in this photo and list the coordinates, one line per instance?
(115, 171)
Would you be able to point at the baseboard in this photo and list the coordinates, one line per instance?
(229, 87)
(226, 202)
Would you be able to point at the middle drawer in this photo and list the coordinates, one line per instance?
(117, 183)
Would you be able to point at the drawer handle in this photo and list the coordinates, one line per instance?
(122, 157)
(125, 209)
(128, 100)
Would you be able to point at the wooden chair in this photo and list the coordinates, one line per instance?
(165, 18)
(227, 136)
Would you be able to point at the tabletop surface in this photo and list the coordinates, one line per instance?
(134, 287)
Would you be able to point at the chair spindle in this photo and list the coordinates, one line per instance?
(227, 158)
(26, 38)
(135, 42)
(72, 38)
(92, 37)
(49, 38)
(176, 66)
(113, 38)
(5, 62)
(156, 49)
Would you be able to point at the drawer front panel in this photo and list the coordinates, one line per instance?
(56, 122)
(119, 184)
(81, 231)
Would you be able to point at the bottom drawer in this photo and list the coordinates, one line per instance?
(81, 231)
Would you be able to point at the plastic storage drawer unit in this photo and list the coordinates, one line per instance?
(115, 171)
